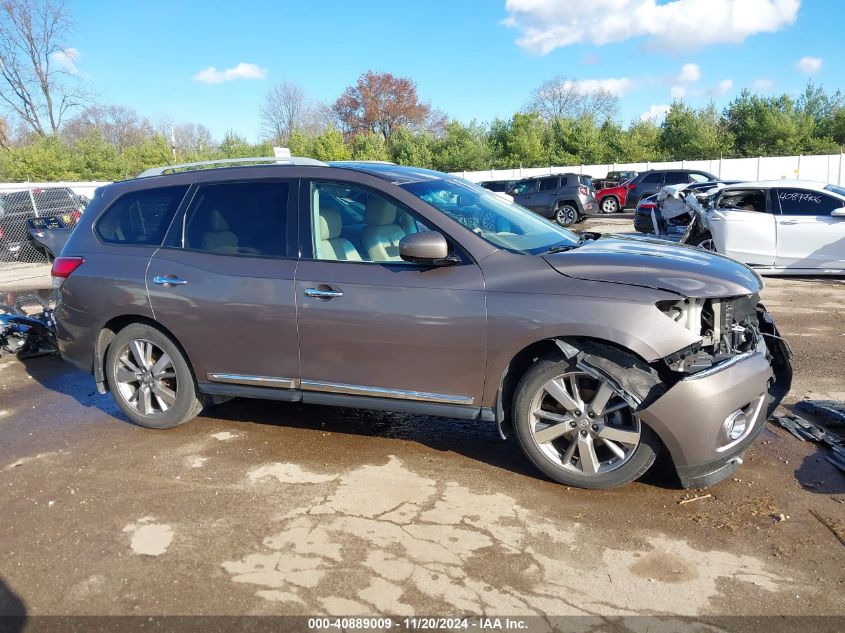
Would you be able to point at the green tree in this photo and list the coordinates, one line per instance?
(45, 158)
(764, 126)
(153, 151)
(236, 146)
(369, 146)
(411, 148)
(519, 142)
(693, 134)
(330, 146)
(462, 148)
(96, 159)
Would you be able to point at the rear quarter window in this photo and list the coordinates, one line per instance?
(140, 217)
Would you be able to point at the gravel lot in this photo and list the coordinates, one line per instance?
(272, 508)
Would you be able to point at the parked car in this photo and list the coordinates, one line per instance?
(612, 199)
(615, 178)
(500, 186)
(18, 207)
(652, 181)
(784, 227)
(434, 297)
(653, 216)
(564, 198)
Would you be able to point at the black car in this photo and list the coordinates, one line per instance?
(564, 198)
(652, 181)
(17, 208)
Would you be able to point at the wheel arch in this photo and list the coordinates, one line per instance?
(107, 334)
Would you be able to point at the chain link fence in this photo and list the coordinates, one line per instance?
(29, 214)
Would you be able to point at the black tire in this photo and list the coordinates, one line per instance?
(565, 214)
(635, 464)
(704, 240)
(609, 204)
(188, 402)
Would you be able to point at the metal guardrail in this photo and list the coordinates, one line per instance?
(31, 209)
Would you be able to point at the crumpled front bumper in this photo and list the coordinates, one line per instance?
(690, 417)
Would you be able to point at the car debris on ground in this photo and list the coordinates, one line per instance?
(28, 331)
(829, 410)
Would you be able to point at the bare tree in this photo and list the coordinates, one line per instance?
(4, 133)
(288, 108)
(119, 125)
(187, 138)
(36, 69)
(560, 97)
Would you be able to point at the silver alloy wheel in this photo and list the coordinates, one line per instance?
(582, 424)
(566, 215)
(708, 245)
(609, 205)
(146, 378)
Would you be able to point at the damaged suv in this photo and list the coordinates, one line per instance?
(377, 286)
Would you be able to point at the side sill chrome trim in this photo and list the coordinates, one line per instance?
(397, 394)
(715, 369)
(257, 381)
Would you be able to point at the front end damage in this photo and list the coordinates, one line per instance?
(709, 401)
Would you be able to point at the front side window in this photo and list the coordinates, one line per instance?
(355, 225)
(504, 224)
(524, 187)
(241, 218)
(140, 218)
(806, 202)
(754, 200)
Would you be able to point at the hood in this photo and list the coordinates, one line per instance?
(685, 270)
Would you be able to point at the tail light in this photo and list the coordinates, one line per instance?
(582, 190)
(76, 215)
(63, 267)
(647, 205)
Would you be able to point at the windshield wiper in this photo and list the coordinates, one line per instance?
(561, 248)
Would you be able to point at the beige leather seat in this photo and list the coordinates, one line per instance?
(219, 238)
(381, 234)
(330, 245)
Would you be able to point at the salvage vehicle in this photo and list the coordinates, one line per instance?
(564, 198)
(778, 227)
(596, 352)
(667, 212)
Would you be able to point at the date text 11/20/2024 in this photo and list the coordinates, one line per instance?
(419, 623)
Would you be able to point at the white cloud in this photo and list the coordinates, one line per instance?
(763, 84)
(678, 92)
(66, 60)
(545, 25)
(690, 73)
(614, 85)
(809, 65)
(655, 113)
(721, 88)
(242, 71)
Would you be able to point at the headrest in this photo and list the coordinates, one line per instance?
(330, 223)
(379, 211)
(216, 221)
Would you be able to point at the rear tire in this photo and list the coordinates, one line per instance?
(556, 433)
(150, 379)
(704, 240)
(566, 214)
(609, 205)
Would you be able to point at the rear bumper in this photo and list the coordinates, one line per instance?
(691, 418)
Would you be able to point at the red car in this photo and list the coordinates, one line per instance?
(612, 199)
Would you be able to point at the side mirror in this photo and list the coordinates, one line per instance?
(838, 213)
(427, 247)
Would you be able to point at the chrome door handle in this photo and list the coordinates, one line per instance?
(161, 280)
(322, 294)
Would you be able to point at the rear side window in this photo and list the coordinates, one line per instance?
(676, 177)
(585, 180)
(696, 177)
(754, 200)
(548, 184)
(242, 218)
(140, 217)
(655, 177)
(804, 202)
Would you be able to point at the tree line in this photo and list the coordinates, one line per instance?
(51, 129)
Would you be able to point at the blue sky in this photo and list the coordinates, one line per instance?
(473, 59)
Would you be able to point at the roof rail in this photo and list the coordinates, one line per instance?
(294, 160)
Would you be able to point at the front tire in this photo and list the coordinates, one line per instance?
(566, 214)
(578, 430)
(609, 204)
(704, 240)
(150, 379)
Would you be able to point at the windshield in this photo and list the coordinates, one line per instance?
(501, 222)
(836, 189)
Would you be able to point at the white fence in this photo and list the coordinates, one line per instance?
(826, 168)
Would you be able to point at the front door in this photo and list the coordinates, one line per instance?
(524, 192)
(371, 324)
(743, 226)
(225, 287)
(808, 235)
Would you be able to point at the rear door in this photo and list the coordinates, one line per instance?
(742, 223)
(547, 194)
(223, 283)
(808, 236)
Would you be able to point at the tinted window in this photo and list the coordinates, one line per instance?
(744, 200)
(653, 177)
(140, 217)
(804, 202)
(547, 184)
(676, 177)
(523, 187)
(586, 181)
(496, 185)
(244, 218)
